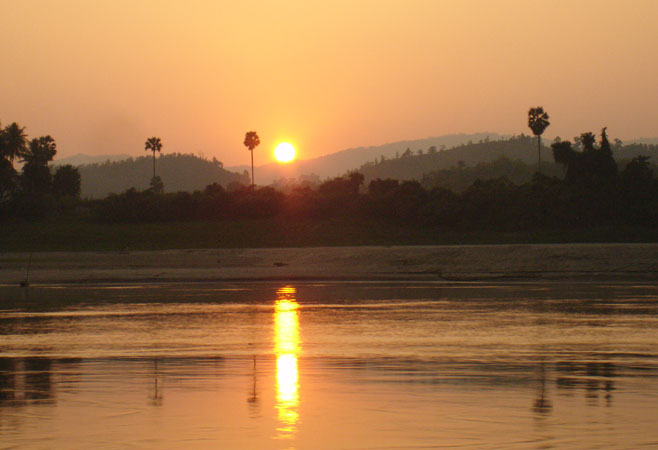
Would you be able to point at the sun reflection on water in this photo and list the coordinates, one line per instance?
(286, 349)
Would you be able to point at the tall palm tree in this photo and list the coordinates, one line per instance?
(40, 151)
(153, 144)
(251, 141)
(14, 142)
(538, 122)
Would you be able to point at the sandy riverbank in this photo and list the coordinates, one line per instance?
(429, 263)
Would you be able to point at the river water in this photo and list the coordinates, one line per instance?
(329, 365)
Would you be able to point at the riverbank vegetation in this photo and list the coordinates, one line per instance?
(586, 196)
(84, 235)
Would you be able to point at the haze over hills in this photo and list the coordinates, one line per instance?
(413, 165)
(179, 172)
(514, 158)
(117, 173)
(404, 160)
(338, 163)
(649, 141)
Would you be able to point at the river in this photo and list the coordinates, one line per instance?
(355, 365)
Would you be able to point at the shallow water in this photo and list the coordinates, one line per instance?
(331, 365)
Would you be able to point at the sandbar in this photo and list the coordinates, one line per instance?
(619, 262)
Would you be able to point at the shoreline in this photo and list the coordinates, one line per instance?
(449, 263)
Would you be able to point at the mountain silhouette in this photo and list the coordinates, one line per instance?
(179, 172)
(343, 161)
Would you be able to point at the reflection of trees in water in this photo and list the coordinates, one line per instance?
(156, 397)
(26, 380)
(7, 380)
(38, 379)
(542, 404)
(30, 380)
(173, 370)
(594, 378)
(252, 397)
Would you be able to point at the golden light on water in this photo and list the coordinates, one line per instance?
(286, 349)
(284, 152)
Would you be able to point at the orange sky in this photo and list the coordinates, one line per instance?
(101, 77)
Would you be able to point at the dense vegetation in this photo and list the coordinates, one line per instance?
(515, 158)
(594, 192)
(583, 188)
(36, 190)
(414, 164)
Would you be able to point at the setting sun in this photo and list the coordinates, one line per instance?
(284, 152)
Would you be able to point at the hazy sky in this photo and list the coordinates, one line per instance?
(102, 76)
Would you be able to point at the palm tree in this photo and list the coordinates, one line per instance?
(251, 141)
(538, 122)
(14, 142)
(40, 151)
(155, 145)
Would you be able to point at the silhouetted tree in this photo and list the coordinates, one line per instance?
(7, 179)
(34, 198)
(14, 142)
(36, 176)
(591, 179)
(591, 166)
(7, 172)
(251, 141)
(157, 186)
(608, 167)
(639, 191)
(40, 151)
(153, 144)
(587, 140)
(618, 144)
(538, 122)
(66, 182)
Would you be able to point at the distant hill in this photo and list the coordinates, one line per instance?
(515, 158)
(338, 163)
(81, 158)
(179, 172)
(460, 178)
(630, 151)
(411, 165)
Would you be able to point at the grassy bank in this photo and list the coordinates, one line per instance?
(89, 236)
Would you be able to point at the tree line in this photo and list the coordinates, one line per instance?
(593, 192)
(584, 187)
(443, 166)
(36, 190)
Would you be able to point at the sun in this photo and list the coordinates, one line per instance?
(284, 152)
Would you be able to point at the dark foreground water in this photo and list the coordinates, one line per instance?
(337, 365)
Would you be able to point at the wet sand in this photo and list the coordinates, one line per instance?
(420, 263)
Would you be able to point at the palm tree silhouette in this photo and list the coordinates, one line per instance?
(14, 142)
(251, 141)
(153, 144)
(40, 151)
(538, 122)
